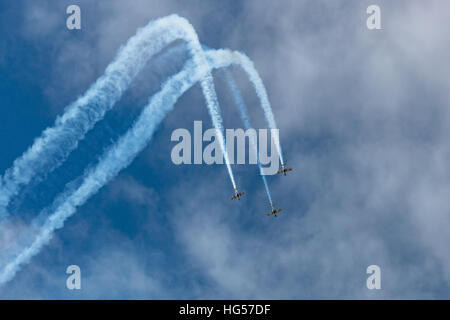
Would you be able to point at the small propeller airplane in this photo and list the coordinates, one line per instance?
(274, 211)
(283, 170)
(237, 195)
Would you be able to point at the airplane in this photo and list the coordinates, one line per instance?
(283, 169)
(237, 195)
(274, 211)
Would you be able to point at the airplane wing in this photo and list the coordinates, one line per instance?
(278, 210)
(233, 197)
(269, 214)
(289, 169)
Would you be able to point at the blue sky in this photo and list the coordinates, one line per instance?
(363, 118)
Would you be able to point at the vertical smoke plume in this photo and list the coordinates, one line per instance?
(243, 111)
(239, 58)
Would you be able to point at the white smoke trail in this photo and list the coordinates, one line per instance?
(55, 144)
(129, 145)
(118, 156)
(247, 65)
(243, 111)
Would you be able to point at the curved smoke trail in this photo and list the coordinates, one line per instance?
(117, 156)
(55, 144)
(248, 66)
(53, 147)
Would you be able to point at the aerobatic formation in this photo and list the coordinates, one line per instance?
(55, 144)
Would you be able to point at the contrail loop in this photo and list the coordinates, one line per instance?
(117, 156)
(55, 144)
